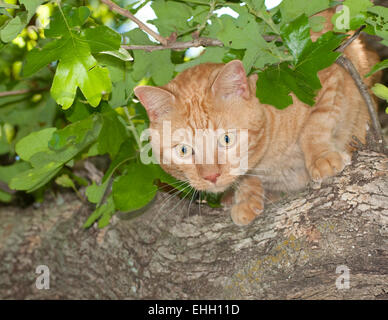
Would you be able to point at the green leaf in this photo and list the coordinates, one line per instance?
(352, 16)
(76, 134)
(8, 172)
(256, 5)
(37, 58)
(171, 16)
(214, 199)
(377, 67)
(5, 196)
(164, 177)
(64, 145)
(102, 38)
(317, 23)
(296, 36)
(122, 80)
(95, 192)
(113, 134)
(8, 6)
(381, 91)
(378, 19)
(290, 10)
(34, 143)
(254, 44)
(33, 179)
(121, 54)
(65, 181)
(309, 58)
(135, 188)
(31, 6)
(127, 152)
(13, 27)
(107, 214)
(77, 68)
(93, 40)
(104, 212)
(271, 80)
(79, 111)
(65, 20)
(156, 64)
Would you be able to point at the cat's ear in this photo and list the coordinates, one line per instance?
(232, 81)
(155, 100)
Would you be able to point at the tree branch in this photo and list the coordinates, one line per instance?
(355, 35)
(20, 92)
(206, 42)
(349, 66)
(291, 251)
(129, 15)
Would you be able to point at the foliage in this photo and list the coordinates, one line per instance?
(75, 82)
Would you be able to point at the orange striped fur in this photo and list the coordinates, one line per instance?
(286, 148)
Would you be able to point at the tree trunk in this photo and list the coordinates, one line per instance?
(291, 251)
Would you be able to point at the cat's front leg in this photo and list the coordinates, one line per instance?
(325, 152)
(248, 201)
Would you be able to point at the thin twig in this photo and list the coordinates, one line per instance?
(132, 128)
(183, 45)
(355, 35)
(349, 66)
(141, 25)
(210, 13)
(205, 42)
(22, 91)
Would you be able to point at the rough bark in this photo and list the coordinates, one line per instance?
(291, 251)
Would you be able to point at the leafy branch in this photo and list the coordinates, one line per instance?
(114, 7)
(169, 43)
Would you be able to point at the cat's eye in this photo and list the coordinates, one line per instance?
(184, 150)
(227, 139)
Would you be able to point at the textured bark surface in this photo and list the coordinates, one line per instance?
(291, 251)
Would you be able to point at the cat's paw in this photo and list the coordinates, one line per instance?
(244, 213)
(327, 165)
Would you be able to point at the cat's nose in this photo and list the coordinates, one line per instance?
(212, 177)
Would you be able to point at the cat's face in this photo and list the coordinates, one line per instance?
(206, 124)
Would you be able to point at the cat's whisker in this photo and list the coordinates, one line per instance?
(179, 202)
(178, 192)
(177, 187)
(171, 191)
(169, 197)
(191, 201)
(200, 200)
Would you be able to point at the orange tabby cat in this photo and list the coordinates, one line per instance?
(285, 148)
